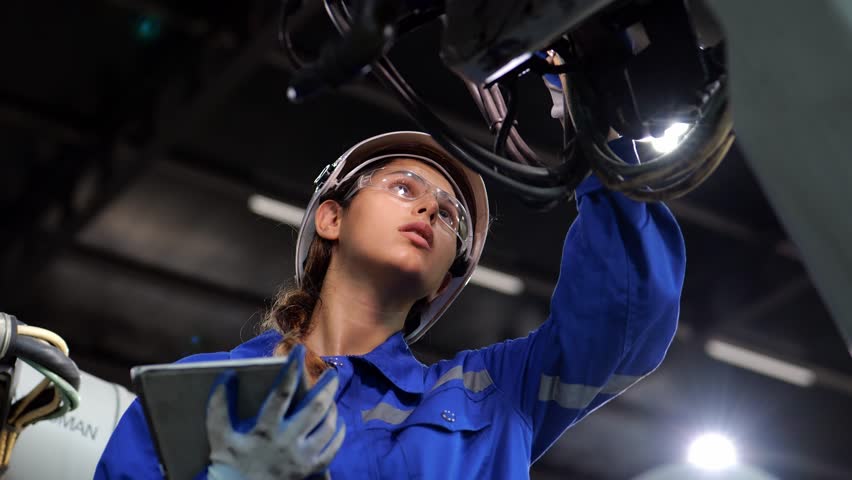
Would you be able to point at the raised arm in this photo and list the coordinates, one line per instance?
(613, 315)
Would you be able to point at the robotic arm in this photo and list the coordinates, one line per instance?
(47, 431)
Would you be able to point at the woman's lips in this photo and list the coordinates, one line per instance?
(417, 239)
(420, 233)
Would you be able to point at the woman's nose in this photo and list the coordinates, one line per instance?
(429, 206)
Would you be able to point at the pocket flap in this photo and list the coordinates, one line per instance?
(449, 409)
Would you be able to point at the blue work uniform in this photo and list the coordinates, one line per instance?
(490, 413)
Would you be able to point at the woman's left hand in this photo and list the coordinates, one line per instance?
(280, 443)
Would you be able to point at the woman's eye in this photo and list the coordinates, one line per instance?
(447, 216)
(401, 189)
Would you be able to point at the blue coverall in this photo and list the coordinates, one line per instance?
(490, 413)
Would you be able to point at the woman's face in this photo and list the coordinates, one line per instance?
(404, 240)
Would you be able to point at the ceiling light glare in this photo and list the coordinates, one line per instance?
(497, 281)
(712, 451)
(760, 363)
(671, 138)
(276, 210)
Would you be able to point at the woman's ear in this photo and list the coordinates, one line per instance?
(444, 284)
(327, 220)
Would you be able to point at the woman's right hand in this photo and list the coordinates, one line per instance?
(281, 442)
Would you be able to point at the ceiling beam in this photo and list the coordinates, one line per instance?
(172, 119)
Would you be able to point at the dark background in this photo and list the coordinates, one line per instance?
(133, 132)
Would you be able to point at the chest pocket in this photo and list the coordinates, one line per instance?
(448, 435)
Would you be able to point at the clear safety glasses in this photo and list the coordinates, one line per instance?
(409, 186)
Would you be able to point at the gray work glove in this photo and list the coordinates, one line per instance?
(286, 440)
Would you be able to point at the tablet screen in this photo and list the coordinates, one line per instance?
(174, 397)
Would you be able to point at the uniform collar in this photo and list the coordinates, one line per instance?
(259, 346)
(393, 358)
(396, 362)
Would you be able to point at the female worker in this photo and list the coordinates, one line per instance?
(394, 231)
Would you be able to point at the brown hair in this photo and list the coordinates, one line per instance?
(293, 308)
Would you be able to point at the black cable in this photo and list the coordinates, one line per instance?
(47, 356)
(698, 144)
(544, 181)
(490, 103)
(536, 176)
(509, 119)
(430, 121)
(696, 149)
(687, 183)
(584, 146)
(524, 154)
(288, 8)
(426, 118)
(8, 332)
(443, 135)
(670, 174)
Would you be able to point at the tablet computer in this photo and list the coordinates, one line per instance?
(174, 397)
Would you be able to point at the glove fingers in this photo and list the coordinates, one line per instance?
(323, 460)
(281, 394)
(320, 437)
(318, 386)
(316, 404)
(219, 410)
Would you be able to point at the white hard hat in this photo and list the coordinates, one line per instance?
(468, 185)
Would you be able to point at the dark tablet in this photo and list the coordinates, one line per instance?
(175, 396)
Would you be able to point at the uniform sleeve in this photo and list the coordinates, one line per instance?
(130, 452)
(613, 315)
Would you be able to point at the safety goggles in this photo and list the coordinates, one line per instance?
(409, 186)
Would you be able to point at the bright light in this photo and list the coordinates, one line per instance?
(757, 362)
(508, 67)
(276, 210)
(497, 281)
(712, 451)
(677, 129)
(671, 138)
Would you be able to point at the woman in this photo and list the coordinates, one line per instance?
(390, 238)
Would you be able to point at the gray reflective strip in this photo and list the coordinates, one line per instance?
(386, 413)
(452, 374)
(575, 396)
(473, 381)
(477, 381)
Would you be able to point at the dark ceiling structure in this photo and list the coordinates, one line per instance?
(134, 132)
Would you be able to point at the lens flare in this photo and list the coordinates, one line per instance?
(712, 451)
(671, 138)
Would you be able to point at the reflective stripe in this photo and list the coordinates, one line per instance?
(477, 381)
(473, 381)
(452, 374)
(565, 394)
(578, 397)
(386, 413)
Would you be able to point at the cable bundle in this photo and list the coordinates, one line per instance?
(668, 176)
(53, 397)
(500, 115)
(512, 163)
(541, 186)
